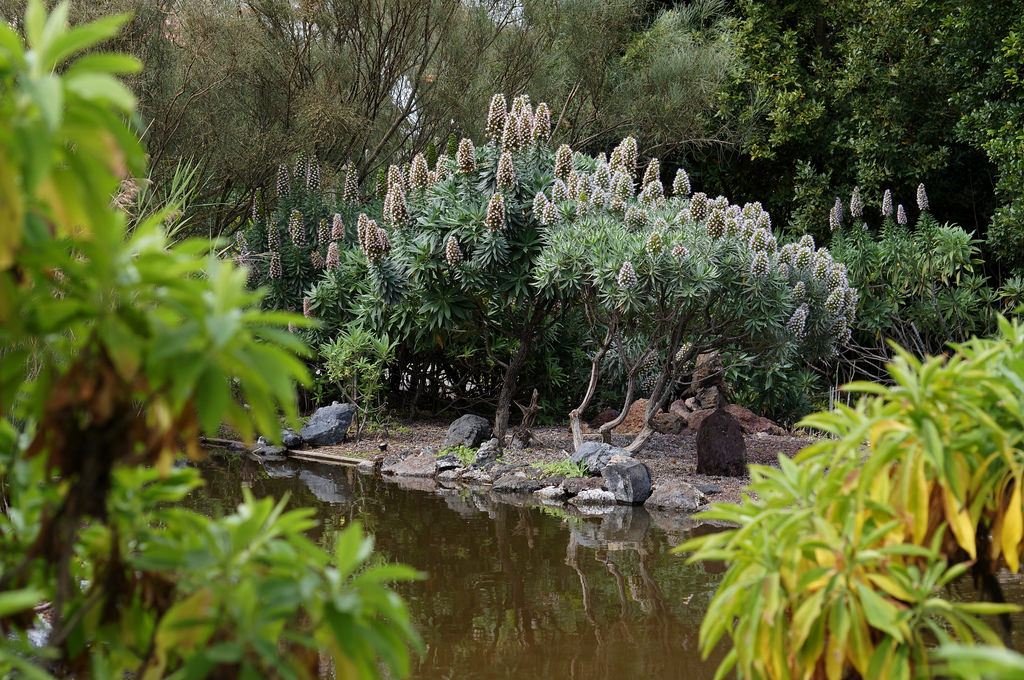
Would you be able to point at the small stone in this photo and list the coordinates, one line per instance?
(445, 463)
(448, 475)
(291, 439)
(707, 488)
(750, 422)
(516, 483)
(594, 497)
(679, 407)
(676, 495)
(421, 465)
(595, 455)
(577, 485)
(476, 476)
(488, 453)
(552, 493)
(668, 423)
(695, 418)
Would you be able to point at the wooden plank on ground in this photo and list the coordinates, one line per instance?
(324, 457)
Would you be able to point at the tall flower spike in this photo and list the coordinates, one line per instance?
(622, 189)
(636, 218)
(856, 205)
(495, 220)
(506, 175)
(323, 233)
(652, 173)
(337, 228)
(351, 192)
(333, 257)
(795, 327)
(363, 229)
(922, 198)
(452, 251)
(541, 124)
(540, 201)
(395, 176)
(699, 206)
(563, 162)
(510, 135)
(681, 184)
(524, 123)
(296, 230)
(273, 239)
(655, 244)
(760, 265)
(418, 172)
(680, 251)
(653, 195)
(284, 183)
(396, 212)
(317, 260)
(627, 275)
(835, 216)
(256, 207)
(624, 156)
(559, 192)
(275, 265)
(716, 223)
(550, 215)
(313, 176)
(300, 166)
(465, 159)
(496, 115)
(901, 215)
(887, 203)
(799, 290)
(521, 105)
(307, 308)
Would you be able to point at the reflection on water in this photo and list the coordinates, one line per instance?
(512, 590)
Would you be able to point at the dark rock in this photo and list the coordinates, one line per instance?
(516, 483)
(271, 452)
(576, 485)
(676, 495)
(291, 439)
(421, 465)
(750, 422)
(328, 425)
(707, 488)
(490, 452)
(720, 446)
(469, 430)
(595, 455)
(710, 397)
(448, 475)
(605, 416)
(629, 481)
(695, 418)
(445, 463)
(708, 371)
(668, 423)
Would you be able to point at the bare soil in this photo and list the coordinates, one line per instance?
(667, 456)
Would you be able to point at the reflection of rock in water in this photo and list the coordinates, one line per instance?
(329, 489)
(621, 528)
(285, 470)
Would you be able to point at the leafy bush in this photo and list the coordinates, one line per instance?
(115, 353)
(355, 361)
(839, 556)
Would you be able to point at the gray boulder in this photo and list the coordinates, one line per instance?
(489, 453)
(291, 439)
(551, 493)
(676, 495)
(420, 465)
(446, 463)
(516, 483)
(593, 497)
(596, 455)
(474, 476)
(328, 425)
(469, 430)
(576, 485)
(629, 481)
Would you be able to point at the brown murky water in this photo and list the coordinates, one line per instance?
(512, 590)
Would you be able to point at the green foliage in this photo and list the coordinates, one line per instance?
(561, 468)
(355, 360)
(117, 351)
(465, 454)
(839, 556)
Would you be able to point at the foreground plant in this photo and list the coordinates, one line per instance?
(837, 564)
(115, 353)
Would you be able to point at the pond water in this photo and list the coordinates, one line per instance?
(512, 590)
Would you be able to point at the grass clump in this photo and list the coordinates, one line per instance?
(561, 468)
(466, 455)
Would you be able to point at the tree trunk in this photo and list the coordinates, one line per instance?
(510, 381)
(576, 415)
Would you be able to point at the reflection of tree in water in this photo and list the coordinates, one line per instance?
(513, 592)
